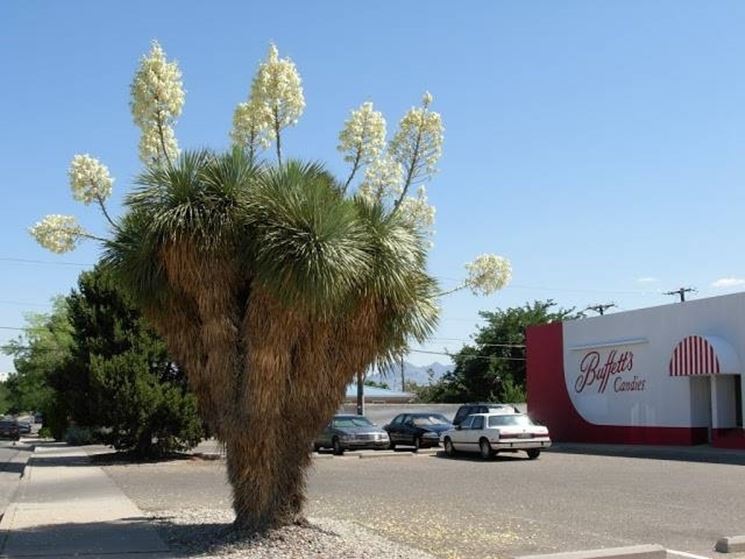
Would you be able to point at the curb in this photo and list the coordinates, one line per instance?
(730, 544)
(381, 455)
(629, 552)
(208, 456)
(7, 519)
(424, 453)
(6, 523)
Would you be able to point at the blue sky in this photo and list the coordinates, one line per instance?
(598, 145)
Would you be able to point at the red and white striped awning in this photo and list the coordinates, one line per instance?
(703, 355)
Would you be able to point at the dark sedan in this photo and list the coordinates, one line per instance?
(9, 429)
(347, 432)
(419, 430)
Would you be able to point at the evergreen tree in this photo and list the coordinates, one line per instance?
(120, 377)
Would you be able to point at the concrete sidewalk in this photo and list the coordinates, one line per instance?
(68, 507)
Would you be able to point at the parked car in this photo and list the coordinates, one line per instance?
(24, 426)
(9, 429)
(346, 432)
(489, 433)
(420, 430)
(482, 407)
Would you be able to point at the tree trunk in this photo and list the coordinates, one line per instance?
(267, 474)
(267, 377)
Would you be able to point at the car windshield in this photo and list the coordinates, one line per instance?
(342, 422)
(506, 420)
(433, 419)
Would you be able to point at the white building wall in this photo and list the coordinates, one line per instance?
(650, 336)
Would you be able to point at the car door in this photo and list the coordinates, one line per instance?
(408, 431)
(394, 428)
(460, 436)
(475, 432)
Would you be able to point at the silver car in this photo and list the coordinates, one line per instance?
(351, 432)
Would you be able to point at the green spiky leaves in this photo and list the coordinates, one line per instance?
(287, 230)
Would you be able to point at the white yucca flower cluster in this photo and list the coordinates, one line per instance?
(417, 145)
(488, 273)
(418, 211)
(276, 101)
(409, 159)
(157, 100)
(251, 127)
(154, 141)
(383, 178)
(58, 233)
(362, 139)
(90, 180)
(277, 86)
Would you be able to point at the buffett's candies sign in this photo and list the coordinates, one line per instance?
(596, 372)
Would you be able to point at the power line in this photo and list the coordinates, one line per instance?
(585, 290)
(485, 344)
(52, 262)
(489, 357)
(568, 289)
(23, 303)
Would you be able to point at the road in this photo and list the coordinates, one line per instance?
(509, 506)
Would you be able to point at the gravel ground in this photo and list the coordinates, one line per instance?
(205, 532)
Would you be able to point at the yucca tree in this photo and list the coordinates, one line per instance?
(272, 284)
(272, 289)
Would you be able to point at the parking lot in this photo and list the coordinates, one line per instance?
(466, 507)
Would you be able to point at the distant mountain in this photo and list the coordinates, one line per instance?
(412, 373)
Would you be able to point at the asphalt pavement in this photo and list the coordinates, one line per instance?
(466, 507)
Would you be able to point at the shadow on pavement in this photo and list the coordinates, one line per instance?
(126, 536)
(109, 459)
(140, 536)
(13, 468)
(702, 453)
(474, 457)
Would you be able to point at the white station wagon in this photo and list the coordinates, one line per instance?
(490, 433)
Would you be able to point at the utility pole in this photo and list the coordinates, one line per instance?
(601, 308)
(681, 292)
(360, 393)
(403, 380)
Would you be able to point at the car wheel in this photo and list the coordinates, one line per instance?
(417, 444)
(534, 453)
(316, 447)
(485, 449)
(391, 445)
(336, 444)
(449, 448)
